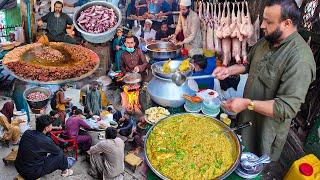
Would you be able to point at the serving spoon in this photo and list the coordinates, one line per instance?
(178, 78)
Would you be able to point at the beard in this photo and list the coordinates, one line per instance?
(274, 36)
(186, 14)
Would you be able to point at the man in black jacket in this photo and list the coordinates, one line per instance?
(38, 155)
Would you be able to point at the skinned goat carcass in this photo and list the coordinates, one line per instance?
(226, 40)
(216, 24)
(236, 35)
(210, 29)
(246, 30)
(256, 34)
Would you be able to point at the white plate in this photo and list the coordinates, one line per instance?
(19, 113)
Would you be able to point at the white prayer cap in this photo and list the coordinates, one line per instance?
(185, 3)
(148, 21)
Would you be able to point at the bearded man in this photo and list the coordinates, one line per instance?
(280, 72)
(188, 32)
(57, 22)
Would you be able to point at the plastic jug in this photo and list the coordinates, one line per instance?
(305, 168)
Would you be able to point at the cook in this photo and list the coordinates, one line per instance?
(57, 22)
(132, 59)
(188, 31)
(280, 72)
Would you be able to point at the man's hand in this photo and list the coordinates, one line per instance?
(118, 47)
(40, 23)
(179, 43)
(221, 73)
(236, 104)
(136, 69)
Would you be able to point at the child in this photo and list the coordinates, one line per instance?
(118, 47)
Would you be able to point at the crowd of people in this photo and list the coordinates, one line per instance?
(280, 70)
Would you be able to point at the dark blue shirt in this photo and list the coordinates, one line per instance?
(126, 127)
(208, 82)
(33, 149)
(80, 3)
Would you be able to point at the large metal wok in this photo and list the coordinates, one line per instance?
(227, 130)
(157, 69)
(163, 50)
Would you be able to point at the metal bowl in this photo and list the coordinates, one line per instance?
(232, 136)
(100, 37)
(174, 66)
(36, 106)
(163, 50)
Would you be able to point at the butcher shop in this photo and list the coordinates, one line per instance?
(160, 89)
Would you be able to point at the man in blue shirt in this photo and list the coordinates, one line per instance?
(38, 155)
(125, 125)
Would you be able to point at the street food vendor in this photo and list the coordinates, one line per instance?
(188, 31)
(57, 22)
(132, 59)
(280, 72)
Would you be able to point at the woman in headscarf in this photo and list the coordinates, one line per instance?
(9, 131)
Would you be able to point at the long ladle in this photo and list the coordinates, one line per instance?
(178, 78)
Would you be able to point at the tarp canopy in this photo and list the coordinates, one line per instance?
(7, 4)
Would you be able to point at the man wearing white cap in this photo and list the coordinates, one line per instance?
(189, 26)
(146, 34)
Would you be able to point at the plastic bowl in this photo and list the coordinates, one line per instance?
(100, 37)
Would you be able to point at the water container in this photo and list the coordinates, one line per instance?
(305, 168)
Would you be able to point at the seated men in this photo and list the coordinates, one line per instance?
(73, 125)
(38, 155)
(125, 124)
(146, 34)
(57, 22)
(106, 157)
(164, 32)
(132, 59)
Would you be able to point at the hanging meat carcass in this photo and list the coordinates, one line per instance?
(236, 36)
(246, 30)
(226, 32)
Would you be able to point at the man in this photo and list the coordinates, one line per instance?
(165, 10)
(106, 157)
(164, 32)
(132, 59)
(72, 130)
(38, 155)
(188, 32)
(62, 102)
(93, 99)
(55, 120)
(280, 72)
(146, 34)
(57, 22)
(116, 114)
(125, 125)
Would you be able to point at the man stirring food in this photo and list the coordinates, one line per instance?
(188, 31)
(57, 22)
(280, 72)
(132, 59)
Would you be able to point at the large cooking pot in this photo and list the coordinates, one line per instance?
(163, 50)
(37, 106)
(166, 93)
(224, 128)
(100, 37)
